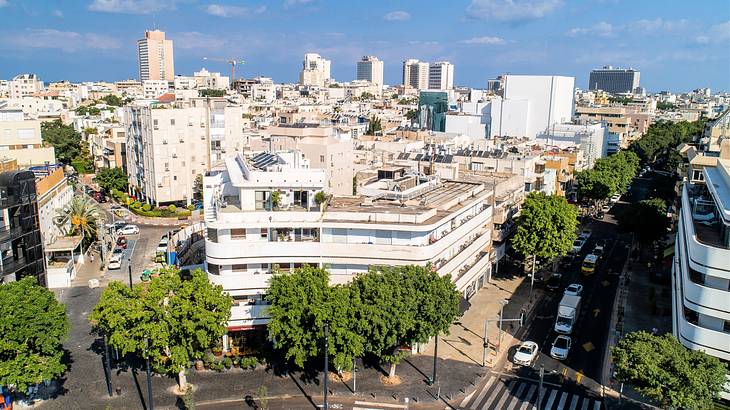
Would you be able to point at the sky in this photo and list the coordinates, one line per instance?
(677, 45)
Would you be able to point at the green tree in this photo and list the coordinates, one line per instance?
(179, 318)
(665, 106)
(412, 115)
(33, 325)
(198, 187)
(81, 215)
(113, 100)
(367, 96)
(647, 219)
(111, 178)
(374, 126)
(63, 138)
(660, 368)
(276, 199)
(212, 92)
(595, 185)
(546, 227)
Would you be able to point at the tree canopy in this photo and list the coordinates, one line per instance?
(113, 100)
(374, 126)
(87, 110)
(33, 325)
(660, 368)
(546, 227)
(663, 137)
(608, 176)
(647, 219)
(212, 92)
(180, 318)
(65, 140)
(111, 178)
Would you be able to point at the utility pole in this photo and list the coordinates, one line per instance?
(501, 314)
(435, 361)
(326, 364)
(354, 375)
(107, 367)
(129, 269)
(150, 399)
(539, 389)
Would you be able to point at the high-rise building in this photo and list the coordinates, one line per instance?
(21, 249)
(440, 76)
(370, 68)
(549, 99)
(155, 57)
(24, 85)
(415, 74)
(614, 80)
(315, 70)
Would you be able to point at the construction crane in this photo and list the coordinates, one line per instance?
(233, 62)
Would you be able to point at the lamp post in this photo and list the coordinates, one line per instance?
(326, 365)
(107, 367)
(502, 303)
(129, 269)
(150, 399)
(435, 361)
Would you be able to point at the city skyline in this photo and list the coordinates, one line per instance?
(678, 48)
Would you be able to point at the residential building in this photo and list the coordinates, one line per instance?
(155, 57)
(20, 139)
(441, 76)
(168, 145)
(211, 80)
(614, 80)
(24, 85)
(108, 148)
(400, 218)
(155, 88)
(315, 70)
(592, 139)
(54, 192)
(415, 74)
(700, 270)
(715, 132)
(628, 122)
(21, 247)
(370, 68)
(549, 99)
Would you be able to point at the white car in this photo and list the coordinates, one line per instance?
(162, 246)
(129, 230)
(561, 347)
(615, 198)
(574, 289)
(526, 354)
(578, 245)
(115, 261)
(606, 208)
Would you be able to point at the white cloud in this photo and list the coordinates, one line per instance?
(3, 3)
(600, 29)
(511, 10)
(131, 6)
(486, 40)
(194, 39)
(398, 15)
(290, 3)
(233, 11)
(658, 25)
(57, 13)
(68, 41)
(715, 34)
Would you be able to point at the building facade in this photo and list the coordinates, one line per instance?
(315, 70)
(549, 99)
(20, 140)
(370, 68)
(441, 76)
(415, 74)
(155, 57)
(24, 85)
(614, 80)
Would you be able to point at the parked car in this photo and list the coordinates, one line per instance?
(122, 242)
(615, 198)
(578, 245)
(129, 230)
(115, 264)
(554, 281)
(561, 347)
(526, 353)
(599, 249)
(588, 267)
(162, 246)
(574, 289)
(606, 208)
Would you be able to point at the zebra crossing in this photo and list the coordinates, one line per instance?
(498, 393)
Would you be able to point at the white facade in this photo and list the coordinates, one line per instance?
(207, 79)
(591, 139)
(315, 70)
(508, 118)
(155, 88)
(445, 223)
(24, 85)
(54, 192)
(465, 124)
(549, 99)
(168, 147)
(701, 268)
(370, 68)
(440, 76)
(415, 74)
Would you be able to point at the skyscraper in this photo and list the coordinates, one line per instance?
(614, 80)
(315, 70)
(154, 54)
(415, 74)
(370, 68)
(441, 76)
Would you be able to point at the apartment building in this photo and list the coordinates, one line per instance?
(549, 100)
(24, 85)
(54, 192)
(592, 139)
(614, 80)
(415, 74)
(700, 270)
(715, 132)
(315, 70)
(400, 218)
(155, 88)
(21, 247)
(168, 145)
(370, 68)
(20, 140)
(441, 76)
(628, 122)
(108, 148)
(155, 57)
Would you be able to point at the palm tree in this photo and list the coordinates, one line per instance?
(82, 214)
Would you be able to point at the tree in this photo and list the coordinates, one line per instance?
(374, 126)
(546, 227)
(198, 187)
(595, 185)
(179, 318)
(647, 219)
(275, 199)
(412, 115)
(111, 178)
(609, 175)
(33, 325)
(367, 96)
(63, 138)
(665, 106)
(212, 92)
(113, 100)
(81, 215)
(660, 368)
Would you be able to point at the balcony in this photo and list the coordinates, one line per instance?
(245, 311)
(472, 271)
(704, 248)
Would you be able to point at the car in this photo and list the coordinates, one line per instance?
(122, 242)
(526, 353)
(589, 264)
(578, 245)
(162, 246)
(574, 289)
(561, 347)
(115, 264)
(599, 249)
(606, 208)
(566, 262)
(117, 253)
(615, 198)
(129, 230)
(554, 281)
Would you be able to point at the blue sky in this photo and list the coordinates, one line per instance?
(677, 45)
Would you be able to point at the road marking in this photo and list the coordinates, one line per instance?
(574, 402)
(494, 397)
(596, 312)
(588, 346)
(483, 393)
(388, 405)
(507, 394)
(564, 371)
(578, 377)
(517, 395)
(563, 398)
(527, 398)
(466, 399)
(551, 399)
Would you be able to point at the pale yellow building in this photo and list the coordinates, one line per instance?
(155, 57)
(20, 140)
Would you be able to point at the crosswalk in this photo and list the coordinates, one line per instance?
(503, 393)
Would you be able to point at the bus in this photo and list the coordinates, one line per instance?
(589, 264)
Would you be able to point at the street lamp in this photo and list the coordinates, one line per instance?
(502, 303)
(326, 364)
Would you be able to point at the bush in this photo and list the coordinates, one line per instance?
(146, 207)
(135, 205)
(248, 362)
(191, 207)
(227, 362)
(171, 208)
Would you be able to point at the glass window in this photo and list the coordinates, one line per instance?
(240, 268)
(238, 233)
(264, 233)
(213, 235)
(214, 269)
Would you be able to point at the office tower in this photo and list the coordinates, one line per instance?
(614, 80)
(433, 106)
(415, 74)
(370, 68)
(441, 76)
(21, 249)
(315, 70)
(155, 57)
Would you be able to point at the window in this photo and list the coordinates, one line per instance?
(213, 235)
(238, 233)
(154, 122)
(321, 158)
(697, 175)
(240, 268)
(172, 121)
(264, 233)
(214, 269)
(174, 177)
(261, 198)
(691, 316)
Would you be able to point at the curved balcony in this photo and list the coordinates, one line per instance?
(700, 252)
(699, 338)
(254, 283)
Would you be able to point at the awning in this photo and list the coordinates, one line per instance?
(63, 243)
